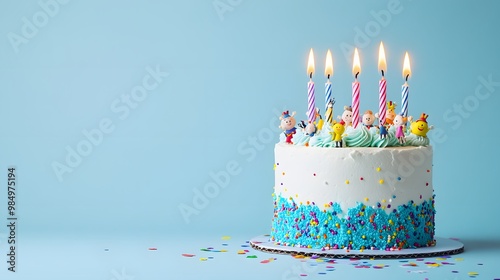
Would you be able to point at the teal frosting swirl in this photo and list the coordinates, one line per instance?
(322, 141)
(323, 138)
(389, 141)
(358, 137)
(415, 140)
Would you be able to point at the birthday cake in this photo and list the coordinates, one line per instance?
(354, 186)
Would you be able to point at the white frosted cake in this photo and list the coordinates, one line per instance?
(366, 192)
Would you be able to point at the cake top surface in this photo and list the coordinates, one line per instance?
(397, 130)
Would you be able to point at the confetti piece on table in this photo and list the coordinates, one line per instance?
(303, 274)
(152, 249)
(245, 245)
(459, 259)
(203, 259)
(473, 274)
(252, 257)
(441, 259)
(299, 256)
(417, 271)
(226, 237)
(268, 260)
(241, 252)
(188, 255)
(106, 250)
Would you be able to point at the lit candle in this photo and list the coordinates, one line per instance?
(328, 73)
(405, 88)
(356, 69)
(311, 110)
(382, 84)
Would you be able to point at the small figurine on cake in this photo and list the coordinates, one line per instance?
(288, 123)
(346, 118)
(390, 113)
(399, 124)
(368, 119)
(329, 111)
(337, 134)
(319, 126)
(383, 131)
(420, 126)
(310, 129)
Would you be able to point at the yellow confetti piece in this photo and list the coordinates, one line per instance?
(473, 273)
(433, 265)
(223, 250)
(203, 259)
(441, 259)
(274, 167)
(241, 252)
(225, 237)
(347, 182)
(381, 181)
(459, 259)
(378, 169)
(319, 260)
(366, 199)
(299, 256)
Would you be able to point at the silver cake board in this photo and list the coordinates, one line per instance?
(443, 247)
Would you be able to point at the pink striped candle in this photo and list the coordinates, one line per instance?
(355, 103)
(382, 85)
(356, 69)
(311, 104)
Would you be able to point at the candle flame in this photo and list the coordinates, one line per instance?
(310, 63)
(406, 66)
(356, 65)
(382, 65)
(329, 64)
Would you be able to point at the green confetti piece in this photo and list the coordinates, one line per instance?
(252, 257)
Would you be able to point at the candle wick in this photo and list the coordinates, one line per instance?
(382, 72)
(356, 76)
(328, 76)
(311, 75)
(407, 77)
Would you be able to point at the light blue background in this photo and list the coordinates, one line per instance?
(230, 72)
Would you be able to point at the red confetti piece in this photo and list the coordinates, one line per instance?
(152, 249)
(188, 255)
(265, 261)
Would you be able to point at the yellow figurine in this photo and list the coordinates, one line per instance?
(337, 133)
(420, 126)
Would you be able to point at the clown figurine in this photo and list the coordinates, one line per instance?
(390, 114)
(288, 125)
(346, 118)
(368, 119)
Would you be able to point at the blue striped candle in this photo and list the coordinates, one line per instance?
(328, 93)
(404, 99)
(405, 88)
(328, 74)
